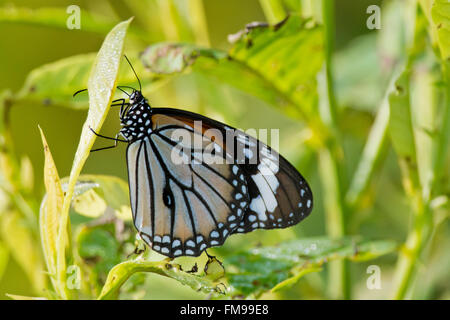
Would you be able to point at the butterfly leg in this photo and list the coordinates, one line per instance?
(221, 288)
(194, 269)
(213, 266)
(137, 250)
(120, 102)
(116, 139)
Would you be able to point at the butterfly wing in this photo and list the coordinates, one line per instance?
(182, 208)
(279, 196)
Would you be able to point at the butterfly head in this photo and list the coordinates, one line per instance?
(135, 119)
(136, 97)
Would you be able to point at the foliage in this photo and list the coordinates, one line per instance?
(345, 110)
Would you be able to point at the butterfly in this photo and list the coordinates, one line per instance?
(195, 181)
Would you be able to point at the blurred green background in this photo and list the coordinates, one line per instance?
(363, 64)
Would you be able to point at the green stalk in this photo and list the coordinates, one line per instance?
(198, 22)
(338, 277)
(330, 161)
(420, 236)
(419, 189)
(411, 253)
(371, 155)
(175, 27)
(273, 10)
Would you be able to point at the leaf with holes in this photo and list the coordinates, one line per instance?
(274, 268)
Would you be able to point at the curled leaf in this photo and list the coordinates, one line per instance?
(121, 272)
(50, 213)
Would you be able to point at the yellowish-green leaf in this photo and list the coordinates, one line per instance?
(43, 84)
(58, 18)
(26, 252)
(26, 174)
(101, 86)
(401, 132)
(56, 82)
(50, 213)
(440, 14)
(124, 213)
(314, 267)
(372, 150)
(4, 255)
(400, 124)
(89, 204)
(94, 192)
(18, 297)
(121, 272)
(264, 61)
(273, 10)
(273, 268)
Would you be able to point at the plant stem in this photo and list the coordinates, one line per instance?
(419, 193)
(411, 253)
(339, 287)
(330, 161)
(175, 27)
(198, 22)
(273, 10)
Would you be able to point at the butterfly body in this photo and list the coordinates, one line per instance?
(135, 119)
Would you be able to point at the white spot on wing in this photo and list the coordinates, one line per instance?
(270, 177)
(258, 206)
(266, 192)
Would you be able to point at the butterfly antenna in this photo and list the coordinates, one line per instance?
(140, 86)
(119, 87)
(79, 91)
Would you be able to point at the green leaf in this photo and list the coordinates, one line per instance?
(99, 249)
(4, 255)
(274, 268)
(57, 18)
(400, 125)
(402, 132)
(18, 297)
(440, 14)
(56, 82)
(16, 234)
(289, 282)
(358, 74)
(89, 204)
(121, 272)
(50, 215)
(428, 104)
(101, 86)
(168, 58)
(273, 10)
(277, 64)
(94, 192)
